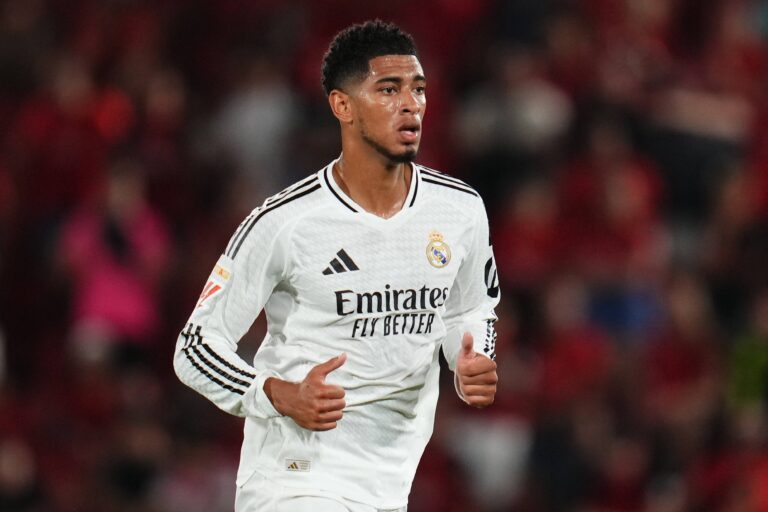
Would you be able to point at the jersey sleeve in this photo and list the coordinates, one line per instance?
(242, 280)
(473, 297)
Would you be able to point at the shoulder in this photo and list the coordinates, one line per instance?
(280, 211)
(439, 185)
(445, 183)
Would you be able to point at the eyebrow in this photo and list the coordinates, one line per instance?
(399, 80)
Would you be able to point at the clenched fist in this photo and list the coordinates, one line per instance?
(311, 403)
(475, 375)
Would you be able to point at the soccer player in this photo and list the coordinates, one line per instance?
(365, 269)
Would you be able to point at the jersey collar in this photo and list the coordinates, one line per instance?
(347, 203)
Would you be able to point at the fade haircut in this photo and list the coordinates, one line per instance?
(348, 55)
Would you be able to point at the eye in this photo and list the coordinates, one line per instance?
(421, 89)
(388, 90)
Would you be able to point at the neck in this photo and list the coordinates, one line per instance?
(378, 185)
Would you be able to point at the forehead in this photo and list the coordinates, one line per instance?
(403, 66)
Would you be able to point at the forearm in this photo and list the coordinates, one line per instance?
(215, 371)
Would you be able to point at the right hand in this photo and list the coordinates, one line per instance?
(311, 403)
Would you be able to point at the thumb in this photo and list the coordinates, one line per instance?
(467, 346)
(330, 365)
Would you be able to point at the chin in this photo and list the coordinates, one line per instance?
(406, 154)
(409, 155)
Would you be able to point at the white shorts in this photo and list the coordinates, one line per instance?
(259, 494)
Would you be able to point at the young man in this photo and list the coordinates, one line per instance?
(365, 270)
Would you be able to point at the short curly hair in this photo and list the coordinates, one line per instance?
(348, 55)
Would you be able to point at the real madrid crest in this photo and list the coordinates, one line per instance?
(438, 252)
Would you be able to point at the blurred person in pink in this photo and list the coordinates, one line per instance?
(116, 256)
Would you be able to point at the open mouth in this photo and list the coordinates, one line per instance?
(410, 132)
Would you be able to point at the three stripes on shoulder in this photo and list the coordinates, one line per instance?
(438, 178)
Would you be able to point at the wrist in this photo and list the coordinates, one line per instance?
(457, 386)
(278, 391)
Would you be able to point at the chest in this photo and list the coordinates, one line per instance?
(348, 267)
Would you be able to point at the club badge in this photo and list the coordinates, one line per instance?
(438, 252)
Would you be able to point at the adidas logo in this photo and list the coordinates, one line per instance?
(297, 465)
(342, 263)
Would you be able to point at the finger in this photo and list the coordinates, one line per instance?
(479, 402)
(467, 344)
(320, 427)
(329, 417)
(330, 392)
(327, 367)
(476, 366)
(478, 391)
(483, 378)
(332, 405)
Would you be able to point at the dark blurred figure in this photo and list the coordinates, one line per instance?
(573, 420)
(683, 378)
(510, 125)
(610, 228)
(20, 486)
(735, 246)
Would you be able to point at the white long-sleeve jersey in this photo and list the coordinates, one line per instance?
(333, 278)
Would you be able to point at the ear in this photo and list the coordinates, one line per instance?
(341, 105)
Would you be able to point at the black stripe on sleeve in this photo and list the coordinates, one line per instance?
(441, 175)
(237, 232)
(490, 340)
(290, 190)
(267, 210)
(445, 184)
(273, 202)
(227, 363)
(187, 335)
(211, 366)
(211, 377)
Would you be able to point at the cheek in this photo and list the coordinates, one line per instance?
(378, 118)
(388, 106)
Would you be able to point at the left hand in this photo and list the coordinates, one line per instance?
(476, 375)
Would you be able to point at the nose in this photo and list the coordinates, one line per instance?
(411, 102)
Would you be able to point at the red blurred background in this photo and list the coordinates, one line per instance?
(621, 149)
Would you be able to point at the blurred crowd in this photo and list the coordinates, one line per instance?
(622, 150)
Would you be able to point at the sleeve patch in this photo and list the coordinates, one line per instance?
(217, 282)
